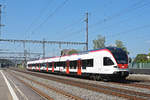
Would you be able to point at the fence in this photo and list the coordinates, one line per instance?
(139, 65)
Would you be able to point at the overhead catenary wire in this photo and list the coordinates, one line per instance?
(125, 32)
(51, 14)
(71, 34)
(128, 19)
(135, 6)
(73, 24)
(122, 12)
(42, 11)
(69, 27)
(130, 30)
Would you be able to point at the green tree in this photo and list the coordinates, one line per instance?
(148, 54)
(73, 51)
(68, 52)
(149, 57)
(99, 42)
(119, 44)
(141, 58)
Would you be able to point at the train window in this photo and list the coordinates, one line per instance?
(107, 61)
(29, 65)
(55, 63)
(49, 65)
(42, 65)
(59, 64)
(33, 65)
(73, 64)
(84, 64)
(87, 63)
(64, 64)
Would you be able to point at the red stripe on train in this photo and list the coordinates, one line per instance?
(123, 66)
(47, 67)
(52, 66)
(79, 67)
(67, 69)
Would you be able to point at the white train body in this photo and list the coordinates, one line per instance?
(109, 62)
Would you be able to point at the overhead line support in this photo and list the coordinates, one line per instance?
(0, 19)
(43, 48)
(86, 20)
(41, 42)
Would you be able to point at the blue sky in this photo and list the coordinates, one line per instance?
(125, 20)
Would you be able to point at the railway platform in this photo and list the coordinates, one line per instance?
(4, 90)
(12, 89)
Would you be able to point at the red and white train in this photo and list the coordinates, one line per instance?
(106, 63)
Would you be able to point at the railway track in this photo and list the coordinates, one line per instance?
(133, 85)
(97, 88)
(33, 88)
(68, 95)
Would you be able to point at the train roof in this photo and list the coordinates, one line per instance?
(111, 49)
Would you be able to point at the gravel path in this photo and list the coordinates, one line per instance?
(140, 77)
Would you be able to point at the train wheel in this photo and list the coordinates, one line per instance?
(90, 77)
(95, 77)
(98, 77)
(105, 80)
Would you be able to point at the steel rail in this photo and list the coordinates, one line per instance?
(98, 88)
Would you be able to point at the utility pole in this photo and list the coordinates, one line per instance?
(43, 48)
(0, 18)
(86, 20)
(25, 54)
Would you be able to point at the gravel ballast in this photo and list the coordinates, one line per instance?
(83, 93)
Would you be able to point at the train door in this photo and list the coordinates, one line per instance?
(47, 67)
(31, 67)
(53, 66)
(67, 68)
(39, 67)
(79, 67)
(36, 68)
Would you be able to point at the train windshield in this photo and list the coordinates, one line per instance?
(120, 55)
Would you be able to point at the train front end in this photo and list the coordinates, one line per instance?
(121, 63)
